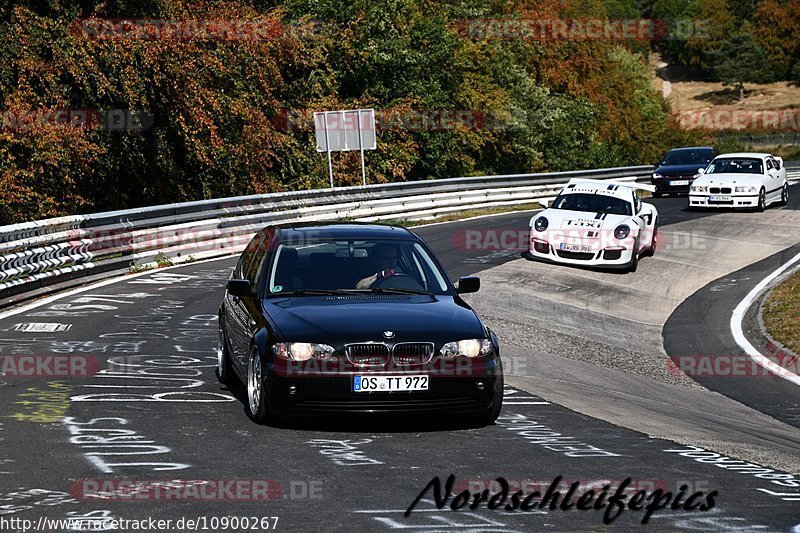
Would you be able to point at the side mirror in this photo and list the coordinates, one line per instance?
(469, 284)
(545, 202)
(240, 288)
(701, 171)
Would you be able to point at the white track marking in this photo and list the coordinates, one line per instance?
(738, 334)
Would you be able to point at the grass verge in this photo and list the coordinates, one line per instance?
(782, 313)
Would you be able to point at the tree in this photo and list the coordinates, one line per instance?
(739, 60)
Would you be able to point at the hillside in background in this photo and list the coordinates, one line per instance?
(224, 110)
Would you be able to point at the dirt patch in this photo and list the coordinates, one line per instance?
(696, 95)
(691, 95)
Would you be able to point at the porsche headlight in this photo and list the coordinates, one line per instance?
(699, 188)
(301, 351)
(622, 231)
(468, 348)
(656, 175)
(540, 224)
(745, 189)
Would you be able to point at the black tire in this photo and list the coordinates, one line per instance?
(762, 201)
(634, 264)
(224, 371)
(257, 407)
(658, 194)
(651, 251)
(784, 195)
(492, 413)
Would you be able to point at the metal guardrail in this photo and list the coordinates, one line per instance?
(49, 255)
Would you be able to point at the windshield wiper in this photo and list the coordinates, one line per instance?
(389, 290)
(308, 292)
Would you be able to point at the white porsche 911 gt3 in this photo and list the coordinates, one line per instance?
(595, 223)
(750, 180)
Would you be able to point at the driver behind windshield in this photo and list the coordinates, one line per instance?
(384, 257)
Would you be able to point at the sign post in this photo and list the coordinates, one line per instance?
(341, 131)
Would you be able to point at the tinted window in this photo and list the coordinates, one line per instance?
(593, 203)
(341, 265)
(688, 157)
(736, 165)
(253, 258)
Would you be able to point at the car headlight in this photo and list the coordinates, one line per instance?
(622, 231)
(656, 175)
(540, 224)
(468, 348)
(301, 351)
(745, 189)
(699, 188)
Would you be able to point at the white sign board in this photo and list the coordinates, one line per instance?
(353, 129)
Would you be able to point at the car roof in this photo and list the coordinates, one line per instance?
(755, 155)
(693, 148)
(341, 230)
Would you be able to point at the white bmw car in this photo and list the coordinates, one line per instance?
(595, 223)
(747, 180)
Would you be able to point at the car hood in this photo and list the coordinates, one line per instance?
(730, 179)
(567, 220)
(680, 170)
(338, 320)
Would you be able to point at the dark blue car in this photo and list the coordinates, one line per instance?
(679, 168)
(351, 318)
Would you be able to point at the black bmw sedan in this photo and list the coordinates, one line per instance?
(348, 318)
(679, 168)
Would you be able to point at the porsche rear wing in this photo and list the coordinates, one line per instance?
(605, 183)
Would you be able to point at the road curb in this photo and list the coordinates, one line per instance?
(765, 343)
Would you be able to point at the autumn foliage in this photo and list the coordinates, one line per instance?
(212, 109)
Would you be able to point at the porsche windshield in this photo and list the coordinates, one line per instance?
(738, 165)
(330, 267)
(593, 203)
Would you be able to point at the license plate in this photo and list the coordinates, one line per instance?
(679, 182)
(719, 198)
(585, 248)
(389, 383)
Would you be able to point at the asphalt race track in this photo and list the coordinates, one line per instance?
(150, 409)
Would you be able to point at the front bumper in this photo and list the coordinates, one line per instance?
(734, 200)
(616, 257)
(664, 185)
(459, 391)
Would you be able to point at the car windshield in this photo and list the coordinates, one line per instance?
(347, 266)
(738, 165)
(688, 157)
(594, 203)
